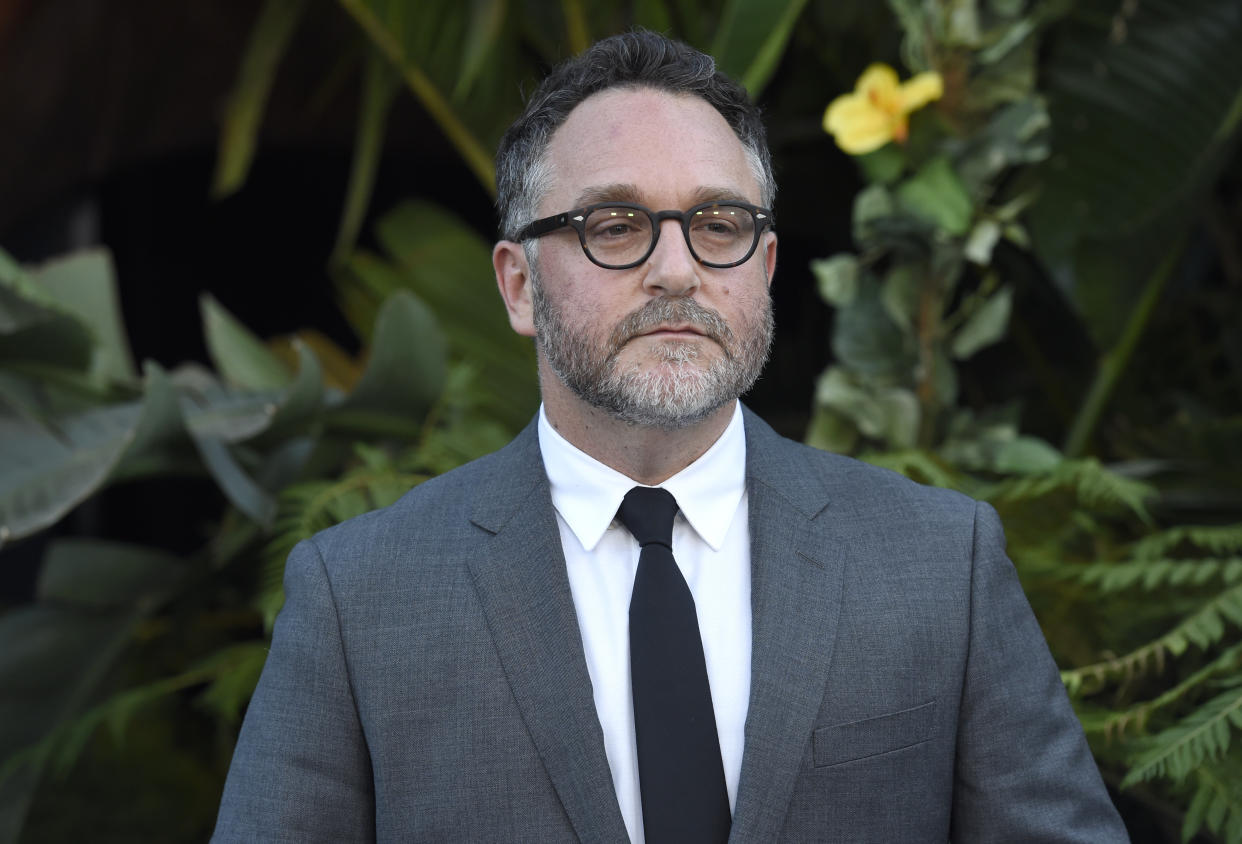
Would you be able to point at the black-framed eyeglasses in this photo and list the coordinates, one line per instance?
(621, 235)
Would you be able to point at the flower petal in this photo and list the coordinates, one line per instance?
(879, 78)
(857, 125)
(921, 90)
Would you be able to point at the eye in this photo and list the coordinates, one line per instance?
(720, 221)
(606, 224)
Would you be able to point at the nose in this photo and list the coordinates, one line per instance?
(671, 269)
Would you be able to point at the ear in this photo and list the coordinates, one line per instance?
(769, 254)
(513, 278)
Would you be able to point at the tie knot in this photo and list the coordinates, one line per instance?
(647, 512)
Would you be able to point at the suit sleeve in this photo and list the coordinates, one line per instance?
(1023, 769)
(301, 771)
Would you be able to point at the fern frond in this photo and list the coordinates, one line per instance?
(62, 747)
(1154, 572)
(305, 509)
(1217, 802)
(1215, 539)
(1200, 737)
(234, 674)
(1204, 627)
(916, 464)
(1115, 724)
(1094, 486)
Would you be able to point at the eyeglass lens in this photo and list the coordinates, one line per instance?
(718, 234)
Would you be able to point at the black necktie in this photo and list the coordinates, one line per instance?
(679, 769)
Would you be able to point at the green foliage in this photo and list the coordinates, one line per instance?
(268, 41)
(447, 266)
(911, 303)
(1217, 801)
(1202, 736)
(1145, 618)
(281, 447)
(751, 38)
(307, 508)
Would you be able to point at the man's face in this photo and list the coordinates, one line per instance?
(668, 342)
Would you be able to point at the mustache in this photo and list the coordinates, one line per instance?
(680, 311)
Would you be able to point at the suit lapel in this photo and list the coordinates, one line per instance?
(524, 589)
(796, 582)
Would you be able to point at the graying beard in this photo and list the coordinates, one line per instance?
(668, 401)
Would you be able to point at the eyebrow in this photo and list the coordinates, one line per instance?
(624, 192)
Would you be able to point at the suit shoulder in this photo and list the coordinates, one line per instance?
(864, 486)
(441, 505)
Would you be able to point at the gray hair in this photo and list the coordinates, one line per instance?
(638, 59)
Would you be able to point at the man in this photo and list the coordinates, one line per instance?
(809, 650)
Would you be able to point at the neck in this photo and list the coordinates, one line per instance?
(647, 455)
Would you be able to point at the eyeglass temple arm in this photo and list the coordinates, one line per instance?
(538, 228)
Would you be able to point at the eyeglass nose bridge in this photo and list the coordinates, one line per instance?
(683, 219)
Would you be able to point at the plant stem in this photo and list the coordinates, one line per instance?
(476, 157)
(1114, 363)
(928, 329)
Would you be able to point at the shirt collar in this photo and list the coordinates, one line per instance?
(587, 493)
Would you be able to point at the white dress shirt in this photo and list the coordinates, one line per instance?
(711, 542)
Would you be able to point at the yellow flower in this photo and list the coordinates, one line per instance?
(878, 111)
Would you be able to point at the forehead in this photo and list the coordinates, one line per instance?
(669, 148)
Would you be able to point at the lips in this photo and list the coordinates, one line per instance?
(672, 318)
(676, 329)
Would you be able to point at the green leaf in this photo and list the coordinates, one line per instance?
(900, 293)
(423, 43)
(837, 277)
(1025, 456)
(448, 266)
(884, 165)
(1143, 111)
(10, 270)
(986, 325)
(866, 340)
(751, 39)
(406, 371)
(303, 399)
(873, 203)
(213, 410)
(379, 87)
(983, 239)
(49, 470)
(84, 284)
(239, 355)
(51, 660)
(94, 573)
(31, 332)
(236, 672)
(936, 194)
(487, 19)
(1200, 737)
(889, 415)
(244, 110)
(242, 491)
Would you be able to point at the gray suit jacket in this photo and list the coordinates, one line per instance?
(427, 679)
